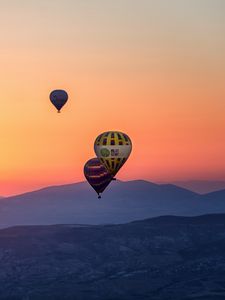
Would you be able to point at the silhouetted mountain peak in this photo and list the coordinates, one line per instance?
(122, 202)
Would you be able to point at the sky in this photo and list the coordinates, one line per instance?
(154, 69)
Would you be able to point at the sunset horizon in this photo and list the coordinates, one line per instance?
(112, 135)
(152, 70)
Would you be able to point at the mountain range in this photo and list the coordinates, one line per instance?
(122, 202)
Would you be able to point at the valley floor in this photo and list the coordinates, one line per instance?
(161, 258)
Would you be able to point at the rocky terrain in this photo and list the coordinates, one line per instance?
(161, 258)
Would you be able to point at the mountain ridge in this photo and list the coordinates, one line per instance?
(86, 185)
(202, 186)
(122, 202)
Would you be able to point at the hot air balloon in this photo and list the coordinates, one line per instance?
(113, 149)
(97, 175)
(58, 98)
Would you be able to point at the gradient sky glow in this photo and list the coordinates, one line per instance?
(154, 69)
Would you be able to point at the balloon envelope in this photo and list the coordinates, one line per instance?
(97, 175)
(58, 98)
(113, 149)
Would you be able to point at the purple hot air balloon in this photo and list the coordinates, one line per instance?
(97, 175)
(58, 98)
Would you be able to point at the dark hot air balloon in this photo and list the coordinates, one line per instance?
(58, 98)
(97, 175)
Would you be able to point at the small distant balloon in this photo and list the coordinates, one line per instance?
(97, 175)
(113, 149)
(58, 98)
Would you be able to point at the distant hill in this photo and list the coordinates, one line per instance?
(164, 258)
(201, 186)
(121, 203)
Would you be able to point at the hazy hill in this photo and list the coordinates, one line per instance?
(201, 186)
(121, 203)
(78, 203)
(164, 258)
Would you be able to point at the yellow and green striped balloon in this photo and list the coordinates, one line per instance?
(113, 149)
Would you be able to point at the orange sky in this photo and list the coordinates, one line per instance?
(151, 69)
